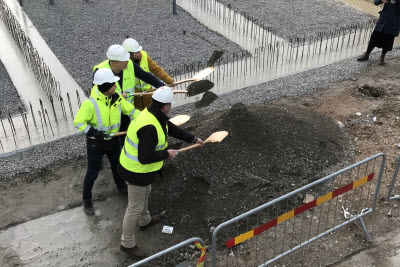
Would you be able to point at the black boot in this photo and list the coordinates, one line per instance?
(382, 59)
(88, 207)
(365, 57)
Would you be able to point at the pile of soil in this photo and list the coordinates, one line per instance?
(270, 150)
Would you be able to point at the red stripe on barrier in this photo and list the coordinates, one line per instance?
(371, 176)
(202, 259)
(265, 226)
(230, 243)
(305, 207)
(342, 190)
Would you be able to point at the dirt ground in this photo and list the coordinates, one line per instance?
(289, 130)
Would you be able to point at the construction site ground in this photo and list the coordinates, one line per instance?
(50, 198)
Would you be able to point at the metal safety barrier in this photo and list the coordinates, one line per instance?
(191, 250)
(393, 185)
(276, 229)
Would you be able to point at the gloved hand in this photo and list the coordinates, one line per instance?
(99, 135)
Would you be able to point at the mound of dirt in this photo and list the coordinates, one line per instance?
(270, 150)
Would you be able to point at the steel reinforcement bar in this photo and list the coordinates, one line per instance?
(36, 63)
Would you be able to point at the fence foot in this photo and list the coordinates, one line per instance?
(367, 235)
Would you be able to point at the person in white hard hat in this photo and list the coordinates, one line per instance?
(141, 57)
(142, 157)
(128, 72)
(98, 117)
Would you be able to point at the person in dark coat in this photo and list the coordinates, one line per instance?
(386, 29)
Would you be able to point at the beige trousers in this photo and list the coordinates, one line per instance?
(138, 199)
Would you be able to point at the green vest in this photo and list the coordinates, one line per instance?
(144, 64)
(129, 154)
(129, 82)
(105, 118)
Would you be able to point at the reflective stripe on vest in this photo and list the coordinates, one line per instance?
(100, 120)
(87, 128)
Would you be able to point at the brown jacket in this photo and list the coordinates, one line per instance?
(157, 70)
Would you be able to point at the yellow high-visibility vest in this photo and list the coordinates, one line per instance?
(129, 82)
(129, 154)
(97, 112)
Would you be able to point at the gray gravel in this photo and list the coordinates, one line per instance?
(9, 99)
(308, 82)
(40, 156)
(79, 32)
(300, 17)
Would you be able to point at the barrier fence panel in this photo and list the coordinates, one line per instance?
(280, 227)
(393, 184)
(190, 252)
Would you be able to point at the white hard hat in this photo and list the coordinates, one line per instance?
(118, 53)
(164, 94)
(104, 76)
(131, 45)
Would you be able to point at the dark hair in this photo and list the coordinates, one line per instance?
(156, 104)
(105, 87)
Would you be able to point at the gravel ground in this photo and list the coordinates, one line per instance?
(79, 32)
(40, 156)
(291, 18)
(294, 86)
(9, 99)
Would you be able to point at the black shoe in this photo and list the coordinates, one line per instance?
(135, 252)
(365, 57)
(88, 207)
(154, 219)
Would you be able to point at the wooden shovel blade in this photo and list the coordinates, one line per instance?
(179, 119)
(203, 73)
(217, 137)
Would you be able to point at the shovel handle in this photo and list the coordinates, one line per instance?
(151, 93)
(185, 81)
(193, 146)
(119, 133)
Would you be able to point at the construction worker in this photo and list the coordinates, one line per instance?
(128, 72)
(98, 117)
(142, 157)
(140, 57)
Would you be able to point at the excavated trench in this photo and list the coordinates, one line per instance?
(270, 150)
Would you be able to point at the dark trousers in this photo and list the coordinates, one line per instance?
(94, 155)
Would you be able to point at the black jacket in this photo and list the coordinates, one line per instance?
(148, 140)
(389, 18)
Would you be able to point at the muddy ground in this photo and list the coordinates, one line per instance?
(269, 148)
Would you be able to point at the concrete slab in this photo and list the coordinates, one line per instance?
(70, 238)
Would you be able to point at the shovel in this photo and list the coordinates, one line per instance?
(213, 138)
(151, 93)
(198, 76)
(177, 120)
